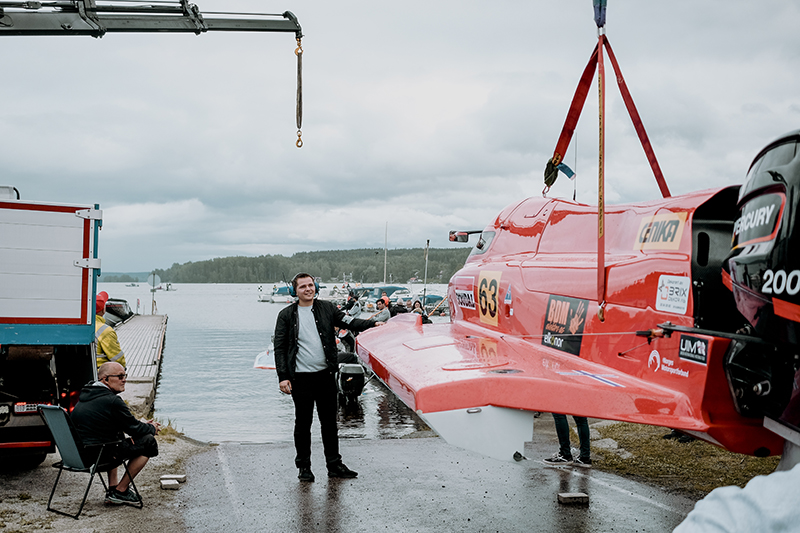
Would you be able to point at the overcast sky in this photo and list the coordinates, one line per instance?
(428, 115)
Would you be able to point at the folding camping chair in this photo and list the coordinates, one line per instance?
(69, 446)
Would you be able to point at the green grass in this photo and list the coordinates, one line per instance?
(168, 432)
(694, 468)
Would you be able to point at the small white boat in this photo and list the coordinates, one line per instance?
(265, 360)
(336, 294)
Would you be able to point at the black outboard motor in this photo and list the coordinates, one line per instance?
(350, 379)
(764, 273)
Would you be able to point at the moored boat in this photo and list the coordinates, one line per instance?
(281, 295)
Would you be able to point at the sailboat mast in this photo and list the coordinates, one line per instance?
(385, 254)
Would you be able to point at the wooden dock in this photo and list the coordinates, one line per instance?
(142, 340)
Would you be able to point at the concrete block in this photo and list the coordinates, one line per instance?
(625, 454)
(573, 498)
(170, 484)
(180, 478)
(606, 444)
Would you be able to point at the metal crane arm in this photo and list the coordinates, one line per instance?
(90, 17)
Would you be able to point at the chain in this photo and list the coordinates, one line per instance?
(299, 53)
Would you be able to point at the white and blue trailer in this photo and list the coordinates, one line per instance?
(48, 280)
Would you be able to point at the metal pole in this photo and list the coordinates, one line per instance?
(425, 281)
(385, 253)
(601, 237)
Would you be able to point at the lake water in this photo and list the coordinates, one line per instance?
(208, 387)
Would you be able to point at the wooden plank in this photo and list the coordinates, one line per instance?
(142, 340)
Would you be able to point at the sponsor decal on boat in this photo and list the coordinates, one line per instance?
(660, 232)
(465, 299)
(563, 323)
(465, 292)
(693, 349)
(489, 296)
(663, 364)
(673, 294)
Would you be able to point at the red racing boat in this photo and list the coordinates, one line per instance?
(682, 312)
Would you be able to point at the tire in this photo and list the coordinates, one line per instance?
(22, 462)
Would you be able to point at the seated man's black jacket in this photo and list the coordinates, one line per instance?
(101, 416)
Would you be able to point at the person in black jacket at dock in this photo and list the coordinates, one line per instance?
(100, 416)
(306, 360)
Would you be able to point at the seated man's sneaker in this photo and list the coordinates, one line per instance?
(339, 470)
(115, 496)
(109, 490)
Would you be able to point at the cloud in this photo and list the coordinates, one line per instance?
(428, 116)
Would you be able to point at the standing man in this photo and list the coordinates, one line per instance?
(564, 454)
(108, 348)
(306, 359)
(101, 416)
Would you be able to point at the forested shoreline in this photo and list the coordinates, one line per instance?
(362, 265)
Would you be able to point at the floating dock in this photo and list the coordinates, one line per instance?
(142, 340)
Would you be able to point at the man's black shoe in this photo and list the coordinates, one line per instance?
(339, 470)
(305, 474)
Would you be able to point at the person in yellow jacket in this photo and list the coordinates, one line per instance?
(108, 348)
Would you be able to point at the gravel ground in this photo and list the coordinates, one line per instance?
(23, 496)
(629, 450)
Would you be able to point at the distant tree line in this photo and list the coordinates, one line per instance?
(364, 265)
(122, 278)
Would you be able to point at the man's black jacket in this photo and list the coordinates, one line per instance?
(101, 416)
(327, 316)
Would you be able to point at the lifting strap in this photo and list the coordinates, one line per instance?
(601, 181)
(574, 113)
(637, 124)
(555, 163)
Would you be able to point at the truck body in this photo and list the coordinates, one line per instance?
(48, 265)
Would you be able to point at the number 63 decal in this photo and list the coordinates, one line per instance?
(489, 296)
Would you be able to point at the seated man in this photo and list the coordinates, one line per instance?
(383, 313)
(101, 416)
(397, 308)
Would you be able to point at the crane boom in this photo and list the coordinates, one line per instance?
(90, 17)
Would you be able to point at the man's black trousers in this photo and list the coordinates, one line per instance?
(309, 388)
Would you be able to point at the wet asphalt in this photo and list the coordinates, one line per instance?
(415, 484)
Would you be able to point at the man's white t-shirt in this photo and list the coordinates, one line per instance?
(310, 354)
